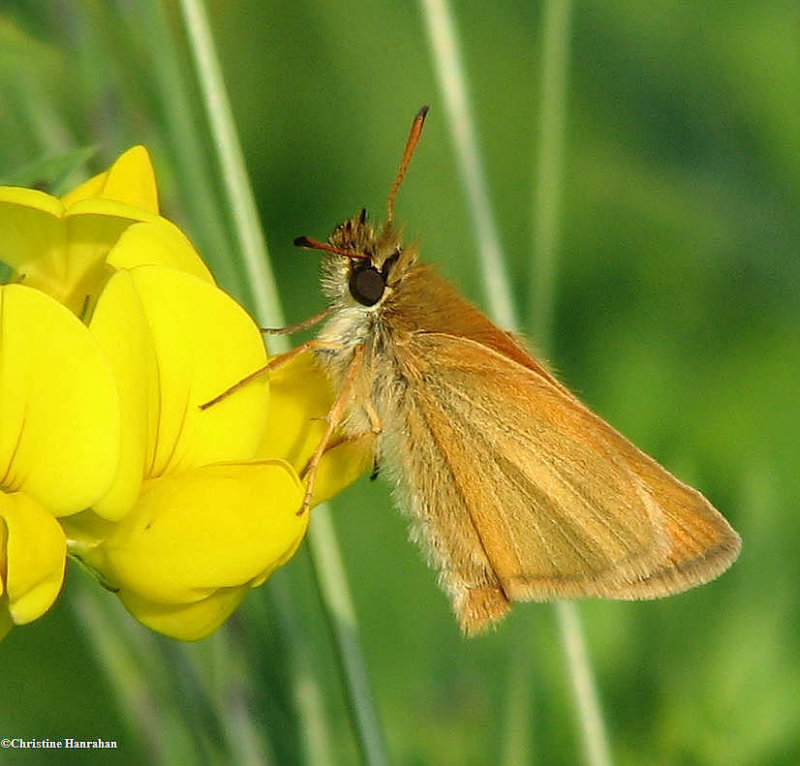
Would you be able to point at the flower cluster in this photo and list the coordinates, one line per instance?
(112, 333)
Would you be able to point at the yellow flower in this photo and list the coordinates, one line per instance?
(187, 489)
(199, 540)
(181, 510)
(32, 557)
(174, 342)
(64, 246)
(59, 443)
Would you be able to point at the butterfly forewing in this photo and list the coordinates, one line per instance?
(550, 501)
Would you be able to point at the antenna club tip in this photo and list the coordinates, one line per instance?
(302, 242)
(422, 113)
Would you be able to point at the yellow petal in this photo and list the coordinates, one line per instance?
(186, 622)
(218, 526)
(62, 252)
(103, 207)
(12, 197)
(173, 343)
(61, 249)
(34, 555)
(65, 259)
(89, 189)
(161, 244)
(120, 326)
(32, 232)
(204, 342)
(131, 179)
(61, 246)
(3, 549)
(94, 227)
(59, 412)
(104, 235)
(300, 399)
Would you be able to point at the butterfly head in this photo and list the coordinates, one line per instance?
(363, 265)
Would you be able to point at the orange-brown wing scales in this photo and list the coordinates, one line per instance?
(548, 500)
(442, 527)
(702, 544)
(538, 497)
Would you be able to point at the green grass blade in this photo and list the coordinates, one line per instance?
(329, 569)
(550, 151)
(334, 589)
(452, 81)
(451, 77)
(556, 29)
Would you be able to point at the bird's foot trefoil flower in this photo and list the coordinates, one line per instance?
(112, 335)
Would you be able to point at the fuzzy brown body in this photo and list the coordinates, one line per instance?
(515, 490)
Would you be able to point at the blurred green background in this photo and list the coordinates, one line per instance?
(677, 319)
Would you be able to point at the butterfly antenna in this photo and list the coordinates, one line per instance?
(315, 244)
(411, 144)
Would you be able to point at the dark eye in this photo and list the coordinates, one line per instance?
(367, 284)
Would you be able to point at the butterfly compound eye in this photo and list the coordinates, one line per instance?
(367, 284)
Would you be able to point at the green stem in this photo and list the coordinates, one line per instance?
(309, 700)
(333, 586)
(587, 704)
(136, 670)
(547, 199)
(186, 140)
(341, 614)
(556, 26)
(241, 204)
(450, 72)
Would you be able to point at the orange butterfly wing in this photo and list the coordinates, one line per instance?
(541, 499)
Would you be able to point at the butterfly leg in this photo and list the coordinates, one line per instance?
(273, 364)
(374, 418)
(334, 417)
(290, 329)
